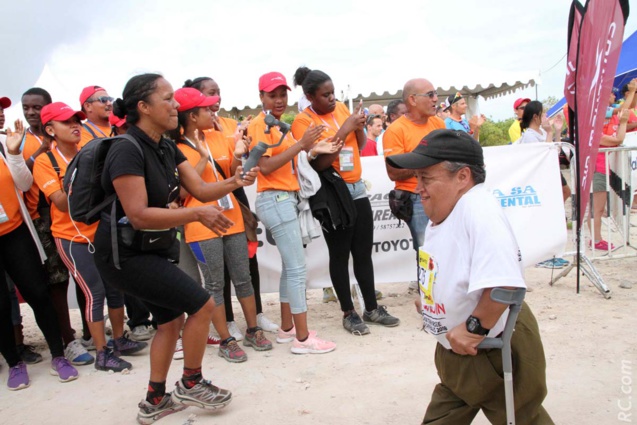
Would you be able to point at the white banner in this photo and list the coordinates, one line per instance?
(524, 178)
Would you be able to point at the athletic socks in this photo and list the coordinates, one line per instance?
(156, 392)
(191, 377)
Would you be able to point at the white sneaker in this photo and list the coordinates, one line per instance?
(234, 331)
(88, 344)
(77, 354)
(179, 350)
(266, 324)
(140, 333)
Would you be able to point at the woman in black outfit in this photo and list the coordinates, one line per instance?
(145, 185)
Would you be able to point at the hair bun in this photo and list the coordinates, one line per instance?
(119, 109)
(300, 74)
(188, 83)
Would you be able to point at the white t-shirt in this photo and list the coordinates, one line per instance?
(532, 136)
(473, 249)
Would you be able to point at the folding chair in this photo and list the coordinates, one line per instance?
(513, 298)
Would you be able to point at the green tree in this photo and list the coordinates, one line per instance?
(549, 102)
(495, 133)
(288, 117)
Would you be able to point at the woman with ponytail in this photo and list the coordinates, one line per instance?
(335, 120)
(74, 240)
(146, 183)
(231, 130)
(214, 158)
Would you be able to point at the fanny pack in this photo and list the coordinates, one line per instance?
(401, 205)
(150, 240)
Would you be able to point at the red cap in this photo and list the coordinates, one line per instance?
(115, 120)
(87, 92)
(189, 98)
(59, 111)
(270, 81)
(518, 102)
(5, 102)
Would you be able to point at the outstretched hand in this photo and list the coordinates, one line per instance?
(310, 136)
(327, 146)
(212, 217)
(14, 138)
(246, 179)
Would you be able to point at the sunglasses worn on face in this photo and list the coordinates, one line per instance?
(429, 94)
(102, 99)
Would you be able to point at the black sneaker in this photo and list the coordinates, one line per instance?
(353, 324)
(106, 360)
(380, 316)
(28, 354)
(125, 347)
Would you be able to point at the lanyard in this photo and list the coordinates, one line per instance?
(338, 127)
(62, 155)
(210, 158)
(34, 135)
(95, 127)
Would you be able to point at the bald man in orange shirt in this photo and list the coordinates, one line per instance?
(402, 136)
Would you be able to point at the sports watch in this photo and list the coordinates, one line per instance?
(475, 327)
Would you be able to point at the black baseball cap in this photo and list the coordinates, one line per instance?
(439, 146)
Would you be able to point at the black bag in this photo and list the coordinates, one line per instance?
(83, 179)
(400, 204)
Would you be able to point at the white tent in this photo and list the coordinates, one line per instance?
(472, 92)
(48, 81)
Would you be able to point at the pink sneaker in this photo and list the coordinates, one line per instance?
(312, 345)
(603, 246)
(282, 336)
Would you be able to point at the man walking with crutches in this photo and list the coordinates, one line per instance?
(469, 250)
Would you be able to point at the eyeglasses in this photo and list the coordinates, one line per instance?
(102, 99)
(429, 94)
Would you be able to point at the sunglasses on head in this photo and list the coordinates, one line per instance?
(102, 99)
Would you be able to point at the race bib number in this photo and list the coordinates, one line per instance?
(427, 270)
(226, 203)
(346, 159)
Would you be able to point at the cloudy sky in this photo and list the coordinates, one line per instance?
(368, 45)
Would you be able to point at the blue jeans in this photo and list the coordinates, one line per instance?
(418, 222)
(277, 211)
(357, 190)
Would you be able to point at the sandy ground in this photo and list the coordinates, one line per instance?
(382, 378)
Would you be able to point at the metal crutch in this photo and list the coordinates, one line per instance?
(513, 298)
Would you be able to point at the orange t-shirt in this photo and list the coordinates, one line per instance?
(284, 178)
(9, 204)
(31, 198)
(228, 127)
(333, 123)
(402, 136)
(49, 183)
(97, 129)
(222, 154)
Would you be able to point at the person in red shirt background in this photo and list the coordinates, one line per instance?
(374, 126)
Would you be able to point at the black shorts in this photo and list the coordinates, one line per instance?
(167, 291)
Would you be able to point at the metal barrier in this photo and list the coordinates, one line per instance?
(619, 196)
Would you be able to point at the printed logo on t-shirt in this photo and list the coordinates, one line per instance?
(518, 196)
(433, 313)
